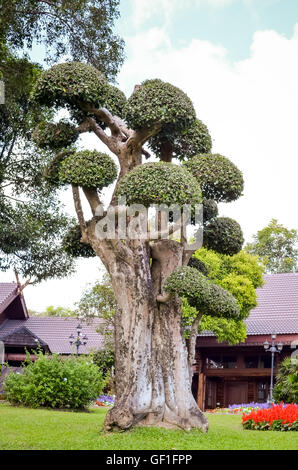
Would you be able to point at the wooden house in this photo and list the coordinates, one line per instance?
(226, 375)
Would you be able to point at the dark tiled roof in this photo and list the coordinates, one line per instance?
(21, 336)
(8, 291)
(277, 309)
(55, 332)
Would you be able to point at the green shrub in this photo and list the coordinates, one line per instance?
(159, 183)
(91, 169)
(206, 297)
(71, 83)
(55, 382)
(218, 177)
(286, 388)
(185, 144)
(72, 245)
(223, 235)
(158, 102)
(53, 136)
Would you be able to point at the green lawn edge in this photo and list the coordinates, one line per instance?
(43, 429)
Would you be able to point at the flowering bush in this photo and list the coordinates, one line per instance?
(105, 400)
(240, 408)
(278, 418)
(247, 407)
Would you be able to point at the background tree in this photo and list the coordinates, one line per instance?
(79, 29)
(277, 247)
(99, 302)
(31, 222)
(153, 368)
(52, 311)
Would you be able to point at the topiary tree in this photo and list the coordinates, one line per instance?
(149, 276)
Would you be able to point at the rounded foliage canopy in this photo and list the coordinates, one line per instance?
(158, 102)
(53, 136)
(87, 168)
(70, 83)
(206, 297)
(218, 177)
(185, 144)
(72, 245)
(210, 209)
(223, 235)
(159, 183)
(114, 101)
(198, 264)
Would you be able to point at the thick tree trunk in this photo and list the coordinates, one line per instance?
(153, 380)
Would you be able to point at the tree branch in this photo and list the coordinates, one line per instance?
(110, 142)
(105, 116)
(192, 341)
(92, 198)
(163, 298)
(80, 213)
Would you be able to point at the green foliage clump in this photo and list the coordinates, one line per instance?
(243, 264)
(185, 144)
(51, 170)
(105, 360)
(198, 264)
(223, 235)
(55, 382)
(54, 136)
(243, 290)
(286, 388)
(87, 168)
(225, 329)
(218, 177)
(210, 209)
(71, 83)
(239, 274)
(114, 101)
(206, 297)
(159, 183)
(72, 245)
(159, 103)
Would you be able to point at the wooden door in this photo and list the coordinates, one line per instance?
(236, 393)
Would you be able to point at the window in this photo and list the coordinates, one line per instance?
(222, 362)
(251, 362)
(262, 392)
(265, 362)
(229, 362)
(214, 362)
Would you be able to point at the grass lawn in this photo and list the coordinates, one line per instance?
(34, 429)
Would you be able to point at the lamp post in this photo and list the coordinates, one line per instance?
(273, 349)
(79, 341)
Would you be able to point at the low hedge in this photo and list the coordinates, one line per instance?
(55, 382)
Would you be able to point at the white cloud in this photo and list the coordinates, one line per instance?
(250, 107)
(143, 10)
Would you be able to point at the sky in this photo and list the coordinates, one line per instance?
(238, 62)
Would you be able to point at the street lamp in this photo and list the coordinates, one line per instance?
(79, 341)
(273, 349)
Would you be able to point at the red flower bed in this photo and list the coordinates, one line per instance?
(278, 418)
